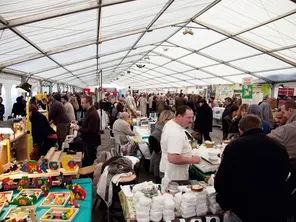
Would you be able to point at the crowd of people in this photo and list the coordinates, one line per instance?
(65, 109)
(258, 167)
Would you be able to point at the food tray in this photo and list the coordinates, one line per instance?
(48, 203)
(8, 195)
(59, 210)
(29, 192)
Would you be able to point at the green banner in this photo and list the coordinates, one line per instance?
(247, 91)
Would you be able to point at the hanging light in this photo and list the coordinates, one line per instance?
(24, 87)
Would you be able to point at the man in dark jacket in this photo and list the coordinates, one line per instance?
(225, 128)
(2, 109)
(57, 114)
(204, 120)
(90, 131)
(251, 180)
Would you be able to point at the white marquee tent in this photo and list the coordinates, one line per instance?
(142, 43)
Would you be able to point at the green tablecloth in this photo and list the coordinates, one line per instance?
(85, 208)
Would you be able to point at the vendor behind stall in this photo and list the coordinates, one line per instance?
(176, 149)
(44, 137)
(154, 142)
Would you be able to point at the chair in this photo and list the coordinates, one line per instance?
(114, 152)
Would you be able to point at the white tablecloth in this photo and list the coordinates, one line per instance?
(141, 132)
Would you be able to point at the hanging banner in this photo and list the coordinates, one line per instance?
(86, 90)
(286, 92)
(247, 91)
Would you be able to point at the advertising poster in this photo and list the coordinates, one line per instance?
(247, 91)
(224, 91)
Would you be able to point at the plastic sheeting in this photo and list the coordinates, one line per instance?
(71, 41)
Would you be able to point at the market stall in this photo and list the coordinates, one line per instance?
(14, 144)
(56, 205)
(144, 202)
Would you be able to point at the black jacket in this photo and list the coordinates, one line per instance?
(234, 126)
(251, 180)
(90, 127)
(2, 111)
(204, 119)
(18, 109)
(40, 127)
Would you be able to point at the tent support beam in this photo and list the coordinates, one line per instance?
(246, 30)
(81, 44)
(14, 30)
(21, 73)
(194, 67)
(86, 59)
(58, 13)
(167, 5)
(245, 42)
(227, 64)
(232, 60)
(195, 16)
(98, 37)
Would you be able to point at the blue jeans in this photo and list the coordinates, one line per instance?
(231, 218)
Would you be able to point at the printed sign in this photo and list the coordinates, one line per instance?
(247, 91)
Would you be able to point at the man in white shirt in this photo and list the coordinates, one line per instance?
(176, 149)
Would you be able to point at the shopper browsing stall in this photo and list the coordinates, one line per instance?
(121, 128)
(246, 183)
(2, 109)
(175, 146)
(89, 130)
(265, 110)
(57, 115)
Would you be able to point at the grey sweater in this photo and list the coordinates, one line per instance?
(266, 114)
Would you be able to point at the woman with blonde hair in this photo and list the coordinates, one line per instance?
(154, 141)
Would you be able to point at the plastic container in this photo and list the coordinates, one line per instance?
(165, 183)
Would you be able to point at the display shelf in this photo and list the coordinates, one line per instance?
(50, 173)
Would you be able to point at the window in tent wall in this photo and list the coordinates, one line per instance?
(3, 95)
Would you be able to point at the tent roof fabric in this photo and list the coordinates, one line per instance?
(143, 43)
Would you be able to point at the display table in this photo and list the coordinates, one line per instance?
(129, 212)
(20, 140)
(84, 213)
(142, 132)
(76, 157)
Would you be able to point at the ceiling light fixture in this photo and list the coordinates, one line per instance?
(188, 31)
(140, 66)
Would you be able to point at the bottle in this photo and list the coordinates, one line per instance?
(165, 183)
